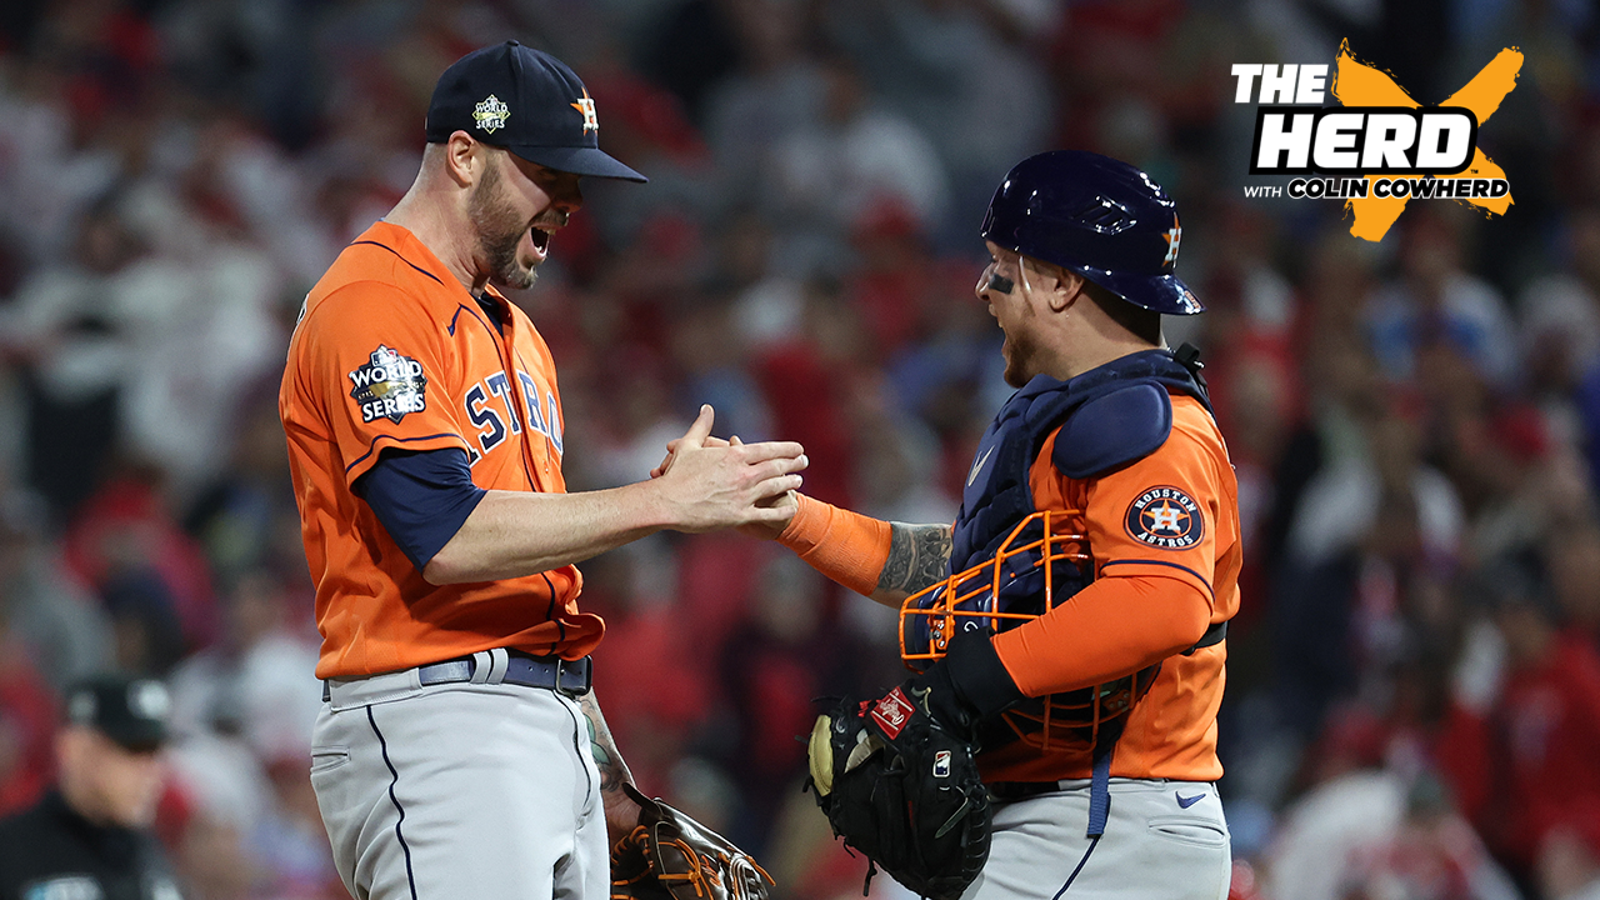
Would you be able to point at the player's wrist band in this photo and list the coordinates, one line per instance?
(845, 546)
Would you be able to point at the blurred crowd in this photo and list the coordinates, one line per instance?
(1414, 702)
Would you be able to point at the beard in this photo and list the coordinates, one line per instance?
(1020, 357)
(500, 229)
(1014, 374)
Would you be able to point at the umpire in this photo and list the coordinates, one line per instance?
(89, 838)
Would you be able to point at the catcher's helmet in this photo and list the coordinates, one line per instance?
(1098, 217)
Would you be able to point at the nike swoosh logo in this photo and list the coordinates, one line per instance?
(978, 466)
(1186, 802)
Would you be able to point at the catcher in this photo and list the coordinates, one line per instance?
(1059, 739)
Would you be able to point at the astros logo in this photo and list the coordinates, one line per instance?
(1165, 517)
(585, 105)
(1174, 237)
(491, 114)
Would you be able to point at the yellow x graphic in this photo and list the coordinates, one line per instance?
(1356, 83)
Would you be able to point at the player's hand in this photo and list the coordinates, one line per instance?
(622, 814)
(672, 447)
(787, 502)
(707, 483)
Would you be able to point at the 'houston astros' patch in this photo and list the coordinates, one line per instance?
(1165, 517)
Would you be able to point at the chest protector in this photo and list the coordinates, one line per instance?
(1001, 561)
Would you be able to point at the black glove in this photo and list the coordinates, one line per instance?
(897, 776)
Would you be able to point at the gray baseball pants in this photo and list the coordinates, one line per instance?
(1164, 840)
(459, 790)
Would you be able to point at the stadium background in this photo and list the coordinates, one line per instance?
(1414, 697)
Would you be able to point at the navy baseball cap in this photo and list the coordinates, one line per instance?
(134, 712)
(528, 102)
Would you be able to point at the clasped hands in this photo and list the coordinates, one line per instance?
(712, 483)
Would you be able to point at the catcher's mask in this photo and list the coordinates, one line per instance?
(1040, 563)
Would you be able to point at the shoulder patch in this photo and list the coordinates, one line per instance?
(1113, 430)
(389, 386)
(1165, 518)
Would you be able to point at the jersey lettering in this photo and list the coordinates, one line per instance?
(500, 386)
(553, 422)
(488, 417)
(483, 416)
(530, 393)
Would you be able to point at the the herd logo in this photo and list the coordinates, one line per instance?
(389, 386)
(585, 105)
(1165, 517)
(491, 114)
(1379, 149)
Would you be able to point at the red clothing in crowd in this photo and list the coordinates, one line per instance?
(1529, 767)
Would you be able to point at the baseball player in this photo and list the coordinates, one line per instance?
(459, 751)
(1115, 434)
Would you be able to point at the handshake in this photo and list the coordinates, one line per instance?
(706, 483)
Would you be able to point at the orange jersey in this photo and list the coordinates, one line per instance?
(1169, 521)
(393, 352)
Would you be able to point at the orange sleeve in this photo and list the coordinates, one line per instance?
(372, 367)
(1113, 627)
(846, 546)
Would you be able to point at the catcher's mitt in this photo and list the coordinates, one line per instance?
(670, 856)
(904, 792)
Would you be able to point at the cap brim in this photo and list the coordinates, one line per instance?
(138, 738)
(589, 161)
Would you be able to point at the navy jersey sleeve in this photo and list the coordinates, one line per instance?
(421, 497)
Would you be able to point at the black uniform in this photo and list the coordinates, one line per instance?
(50, 852)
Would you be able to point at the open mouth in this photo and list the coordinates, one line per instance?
(541, 240)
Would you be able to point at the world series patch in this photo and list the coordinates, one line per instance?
(1165, 517)
(389, 386)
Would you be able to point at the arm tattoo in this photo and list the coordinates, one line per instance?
(613, 771)
(918, 555)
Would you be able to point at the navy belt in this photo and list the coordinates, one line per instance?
(572, 677)
(500, 666)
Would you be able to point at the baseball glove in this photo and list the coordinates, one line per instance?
(670, 856)
(904, 791)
